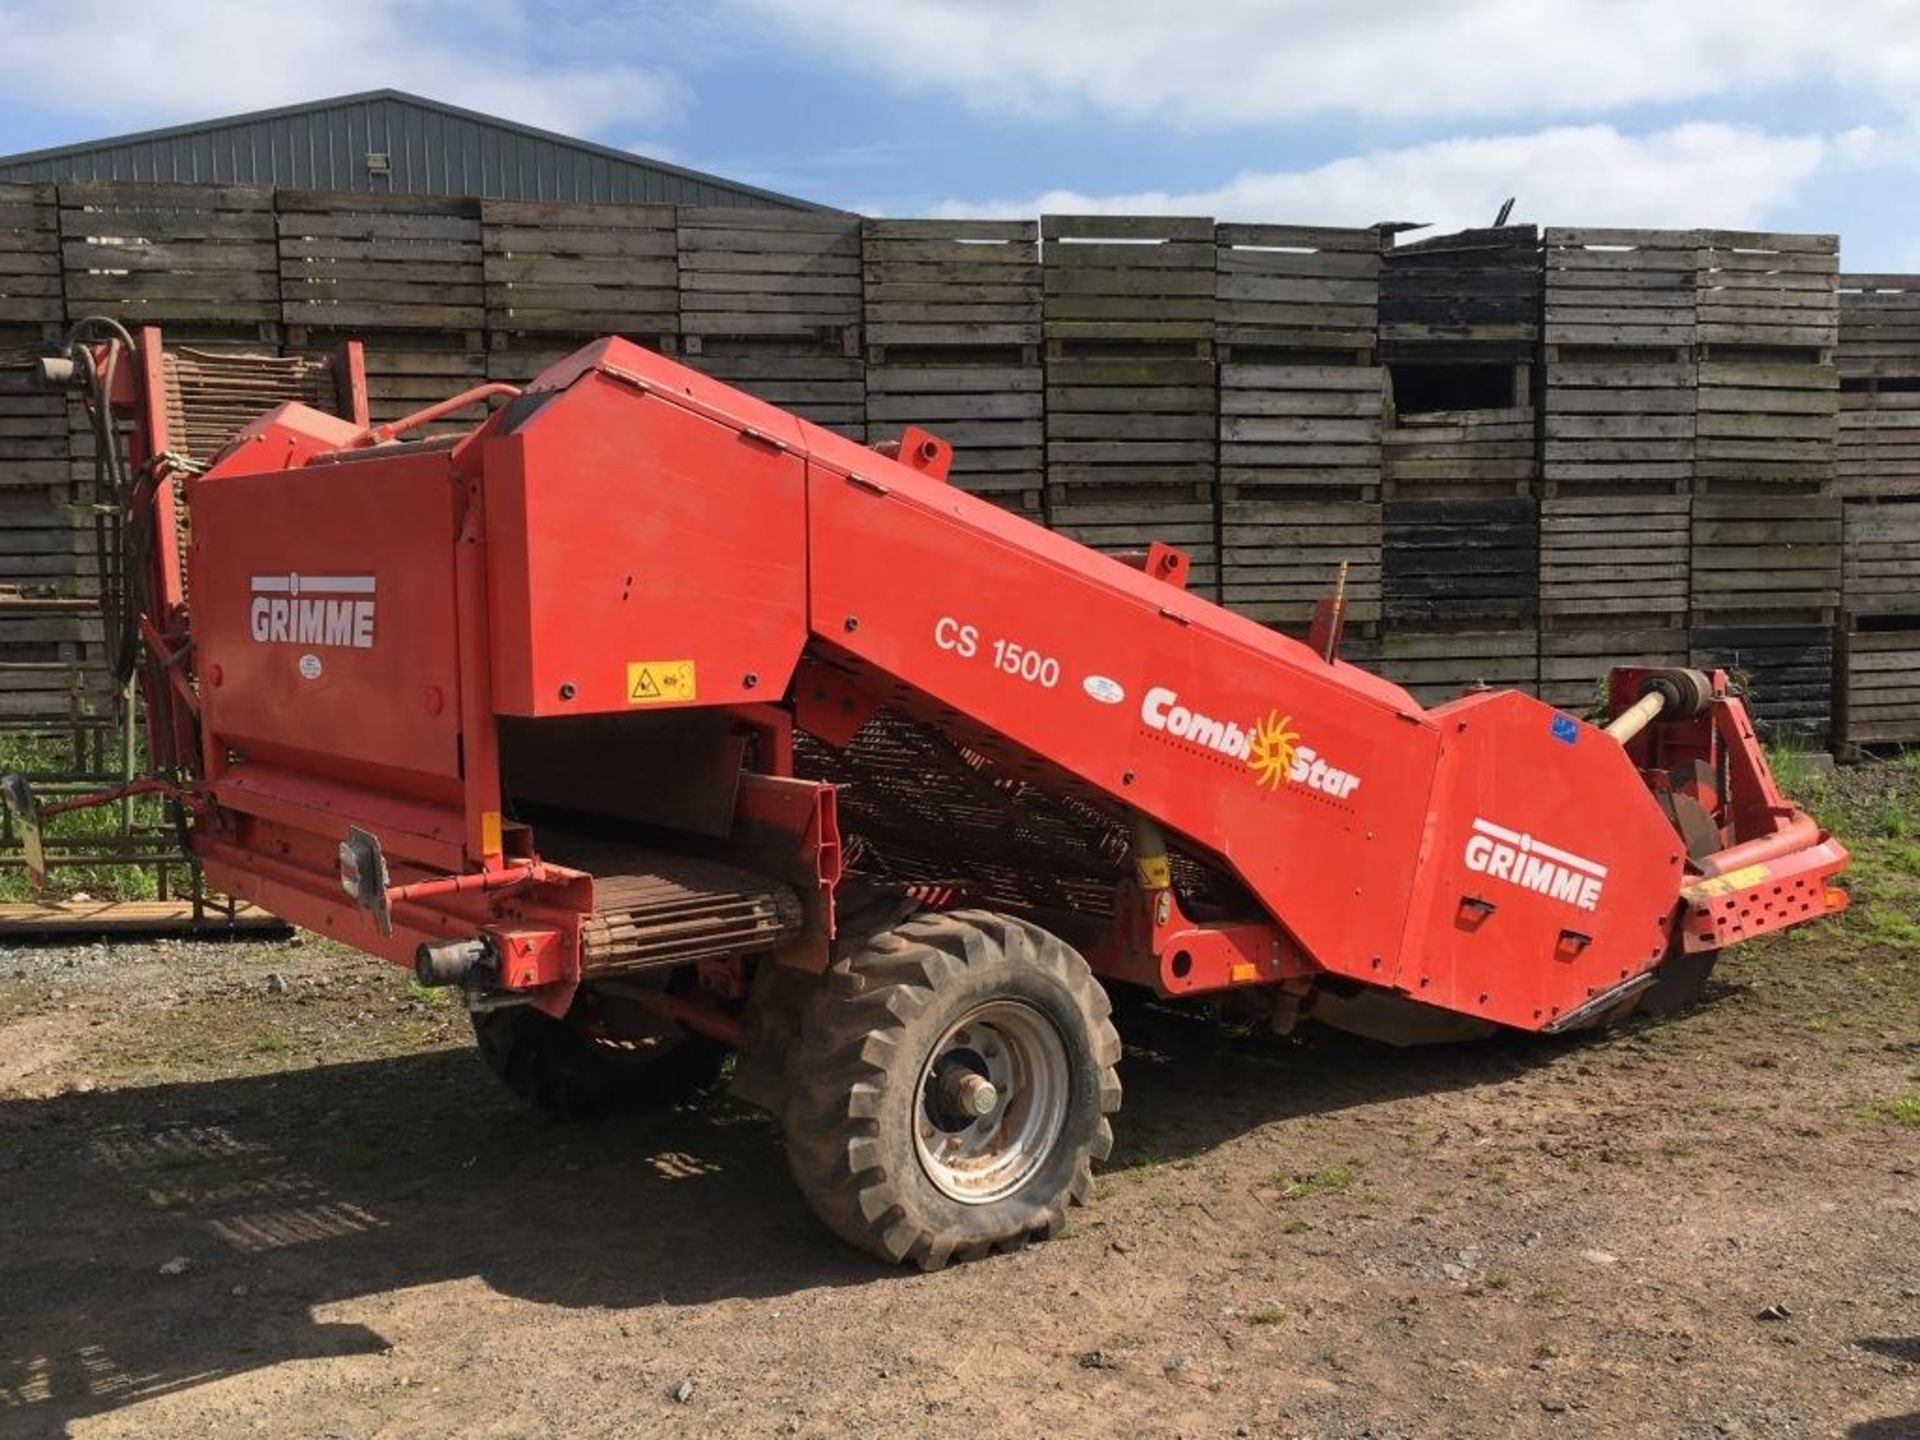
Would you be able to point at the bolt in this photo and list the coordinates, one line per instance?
(852, 623)
(971, 1094)
(750, 680)
(568, 691)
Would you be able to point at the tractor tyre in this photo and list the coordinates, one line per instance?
(581, 1066)
(949, 1089)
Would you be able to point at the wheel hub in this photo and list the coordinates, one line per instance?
(992, 1101)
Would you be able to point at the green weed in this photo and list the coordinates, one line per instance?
(1329, 1179)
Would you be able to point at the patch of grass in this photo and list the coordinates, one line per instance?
(1901, 1110)
(356, 1155)
(1679, 1149)
(1891, 928)
(1331, 1358)
(1268, 1315)
(272, 1042)
(1329, 1179)
(166, 1199)
(1295, 1226)
(1499, 1280)
(427, 994)
(47, 760)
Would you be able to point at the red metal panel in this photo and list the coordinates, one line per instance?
(1550, 874)
(642, 554)
(1309, 780)
(323, 615)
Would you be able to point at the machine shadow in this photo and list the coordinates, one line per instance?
(289, 1193)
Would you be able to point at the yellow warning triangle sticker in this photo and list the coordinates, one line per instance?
(644, 685)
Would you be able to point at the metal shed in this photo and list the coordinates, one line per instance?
(386, 141)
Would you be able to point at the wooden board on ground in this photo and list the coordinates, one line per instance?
(1128, 279)
(1620, 287)
(1282, 554)
(1760, 289)
(787, 273)
(950, 283)
(149, 254)
(126, 919)
(385, 262)
(1296, 287)
(580, 269)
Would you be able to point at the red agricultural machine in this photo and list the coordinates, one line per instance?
(666, 725)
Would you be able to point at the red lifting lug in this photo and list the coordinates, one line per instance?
(1572, 942)
(1474, 911)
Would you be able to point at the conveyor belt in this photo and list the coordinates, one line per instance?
(654, 909)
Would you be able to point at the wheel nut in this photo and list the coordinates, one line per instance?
(971, 1094)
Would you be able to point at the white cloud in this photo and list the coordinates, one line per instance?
(147, 59)
(1237, 62)
(1704, 175)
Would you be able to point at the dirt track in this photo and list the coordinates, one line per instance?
(1702, 1228)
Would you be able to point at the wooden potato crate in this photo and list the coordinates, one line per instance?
(30, 294)
(1128, 280)
(381, 262)
(1456, 560)
(1476, 287)
(1301, 426)
(1766, 418)
(1138, 421)
(1879, 439)
(812, 379)
(941, 283)
(787, 274)
(171, 254)
(34, 457)
(992, 413)
(1779, 555)
(1459, 452)
(1631, 288)
(1603, 556)
(1784, 671)
(1883, 557)
(553, 269)
(1574, 662)
(1282, 554)
(1297, 288)
(1879, 326)
(1124, 520)
(1438, 663)
(1619, 416)
(1883, 686)
(1764, 289)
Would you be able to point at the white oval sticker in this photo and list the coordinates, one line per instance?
(310, 667)
(1107, 692)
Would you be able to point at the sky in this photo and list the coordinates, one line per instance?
(1754, 114)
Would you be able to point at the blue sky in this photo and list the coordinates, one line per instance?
(1771, 114)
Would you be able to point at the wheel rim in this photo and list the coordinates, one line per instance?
(992, 1101)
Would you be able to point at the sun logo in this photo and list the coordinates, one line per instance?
(1271, 755)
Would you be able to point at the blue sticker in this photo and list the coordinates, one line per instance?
(1566, 729)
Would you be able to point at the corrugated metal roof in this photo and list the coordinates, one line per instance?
(430, 149)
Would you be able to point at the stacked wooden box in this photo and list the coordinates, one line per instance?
(1879, 484)
(558, 276)
(404, 274)
(952, 321)
(1131, 414)
(770, 301)
(1618, 401)
(1459, 323)
(1296, 315)
(1765, 572)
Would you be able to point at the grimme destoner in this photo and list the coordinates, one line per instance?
(666, 726)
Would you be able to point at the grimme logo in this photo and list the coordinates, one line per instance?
(1534, 865)
(313, 610)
